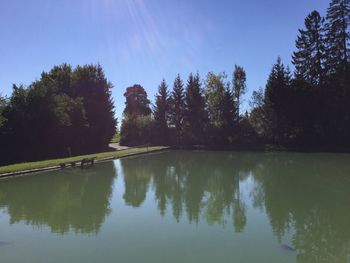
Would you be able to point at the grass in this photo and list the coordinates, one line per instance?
(99, 156)
(116, 138)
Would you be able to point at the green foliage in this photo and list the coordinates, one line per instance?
(137, 102)
(196, 116)
(239, 86)
(137, 121)
(229, 113)
(177, 109)
(136, 130)
(90, 84)
(221, 108)
(215, 92)
(19, 167)
(161, 114)
(310, 111)
(116, 138)
(64, 112)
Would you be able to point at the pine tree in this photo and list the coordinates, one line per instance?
(177, 108)
(337, 34)
(196, 117)
(89, 82)
(309, 57)
(161, 113)
(276, 101)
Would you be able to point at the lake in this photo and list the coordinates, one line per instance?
(182, 206)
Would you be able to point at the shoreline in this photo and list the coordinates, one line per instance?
(261, 148)
(21, 169)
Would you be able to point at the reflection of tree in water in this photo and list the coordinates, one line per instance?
(306, 195)
(74, 199)
(136, 182)
(310, 195)
(194, 184)
(239, 216)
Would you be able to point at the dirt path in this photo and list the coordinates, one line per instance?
(117, 146)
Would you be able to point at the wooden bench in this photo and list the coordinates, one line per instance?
(87, 161)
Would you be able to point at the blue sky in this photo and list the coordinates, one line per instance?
(144, 41)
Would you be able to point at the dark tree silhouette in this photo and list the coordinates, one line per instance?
(177, 109)
(229, 114)
(309, 57)
(137, 120)
(221, 108)
(161, 114)
(91, 85)
(276, 101)
(65, 112)
(337, 34)
(196, 117)
(215, 88)
(137, 102)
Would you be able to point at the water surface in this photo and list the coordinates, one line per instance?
(182, 206)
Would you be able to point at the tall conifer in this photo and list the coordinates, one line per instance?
(177, 107)
(337, 34)
(309, 57)
(161, 113)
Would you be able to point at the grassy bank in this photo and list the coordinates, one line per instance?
(13, 168)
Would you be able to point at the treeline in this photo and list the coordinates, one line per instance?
(188, 115)
(66, 112)
(307, 109)
(70, 111)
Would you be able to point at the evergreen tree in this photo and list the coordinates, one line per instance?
(239, 86)
(303, 112)
(196, 117)
(276, 102)
(177, 108)
(309, 57)
(337, 34)
(89, 83)
(161, 114)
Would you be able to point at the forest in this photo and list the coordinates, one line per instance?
(70, 111)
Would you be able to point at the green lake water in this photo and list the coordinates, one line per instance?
(182, 206)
